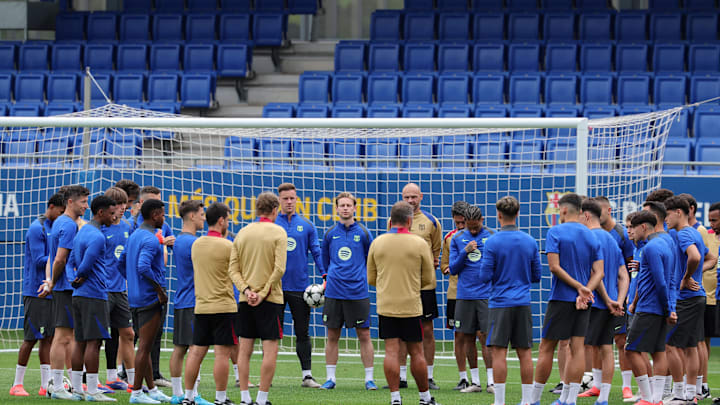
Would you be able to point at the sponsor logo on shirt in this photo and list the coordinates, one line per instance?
(292, 244)
(118, 251)
(474, 256)
(344, 253)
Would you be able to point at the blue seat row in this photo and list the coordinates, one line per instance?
(558, 57)
(483, 5)
(289, 6)
(396, 25)
(263, 29)
(687, 150)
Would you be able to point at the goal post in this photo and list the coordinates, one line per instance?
(232, 160)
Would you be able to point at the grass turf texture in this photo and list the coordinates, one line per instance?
(350, 382)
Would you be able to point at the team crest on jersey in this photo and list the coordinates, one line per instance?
(42, 330)
(291, 244)
(300, 228)
(127, 235)
(552, 211)
(421, 227)
(483, 240)
(356, 238)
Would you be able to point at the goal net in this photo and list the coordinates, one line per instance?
(234, 160)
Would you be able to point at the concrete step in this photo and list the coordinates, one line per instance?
(238, 111)
(264, 95)
(274, 80)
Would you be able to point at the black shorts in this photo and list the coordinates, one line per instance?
(119, 310)
(563, 321)
(710, 322)
(38, 322)
(601, 329)
(472, 316)
(351, 313)
(405, 329)
(510, 325)
(621, 324)
(184, 324)
(429, 305)
(689, 328)
(450, 314)
(143, 315)
(215, 329)
(646, 333)
(91, 319)
(261, 322)
(62, 308)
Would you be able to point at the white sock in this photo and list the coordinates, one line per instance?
(130, 375)
(500, 394)
(425, 396)
(705, 387)
(490, 378)
(195, 387)
(430, 372)
(261, 397)
(330, 371)
(668, 386)
(57, 376)
(644, 387)
(626, 378)
(658, 385)
(604, 392)
(245, 397)
(573, 393)
(92, 383)
(136, 392)
(527, 390)
(76, 380)
(537, 391)
(220, 396)
(237, 374)
(678, 390)
(403, 373)
(597, 377)
(698, 384)
(395, 396)
(189, 394)
(564, 394)
(306, 373)
(463, 375)
(475, 375)
(111, 374)
(44, 375)
(177, 386)
(19, 375)
(690, 391)
(155, 389)
(369, 374)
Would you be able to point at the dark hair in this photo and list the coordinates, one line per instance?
(216, 211)
(630, 216)
(117, 194)
(591, 206)
(690, 199)
(601, 199)
(458, 208)
(149, 190)
(189, 206)
(659, 195)
(400, 213)
(74, 192)
(509, 206)
(473, 213)
(677, 203)
(57, 200)
(715, 207)
(266, 203)
(285, 187)
(571, 199)
(101, 203)
(643, 217)
(151, 206)
(657, 208)
(130, 187)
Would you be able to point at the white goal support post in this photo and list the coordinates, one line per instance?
(232, 160)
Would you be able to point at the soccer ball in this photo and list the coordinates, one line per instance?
(314, 295)
(586, 382)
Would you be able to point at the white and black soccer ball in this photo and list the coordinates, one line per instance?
(586, 382)
(314, 295)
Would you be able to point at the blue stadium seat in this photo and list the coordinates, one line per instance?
(595, 26)
(347, 88)
(382, 155)
(633, 90)
(455, 111)
(199, 58)
(701, 88)
(201, 6)
(563, 149)
(419, 5)
(596, 58)
(679, 127)
(59, 109)
(704, 58)
(162, 88)
(234, 27)
(270, 5)
(99, 57)
(488, 58)
(591, 4)
(168, 27)
(134, 28)
(313, 88)
(455, 156)
(385, 25)
(384, 57)
(678, 150)
(383, 88)
(561, 58)
(418, 89)
(556, 4)
(170, 6)
(97, 148)
(524, 57)
(302, 6)
(235, 5)
(452, 5)
(486, 150)
(346, 154)
(708, 150)
(105, 80)
(274, 154)
(669, 89)
(419, 57)
(669, 58)
(485, 5)
(34, 57)
(55, 142)
(453, 57)
(101, 27)
(419, 111)
(128, 88)
(665, 27)
(631, 58)
(279, 110)
(165, 58)
(26, 109)
(6, 85)
(348, 111)
(20, 143)
(232, 60)
(200, 27)
(383, 111)
(66, 57)
(30, 87)
(706, 122)
(350, 56)
(702, 27)
(62, 87)
(310, 155)
(700, 5)
(559, 26)
(599, 111)
(416, 154)
(196, 90)
(560, 89)
(137, 6)
(419, 26)
(631, 26)
(561, 111)
(664, 5)
(489, 26)
(526, 150)
(525, 89)
(8, 56)
(522, 4)
(523, 26)
(70, 27)
(488, 89)
(491, 111)
(240, 153)
(453, 89)
(123, 143)
(132, 57)
(596, 89)
(454, 26)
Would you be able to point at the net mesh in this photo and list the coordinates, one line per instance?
(234, 165)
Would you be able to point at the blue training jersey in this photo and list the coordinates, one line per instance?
(185, 294)
(613, 259)
(620, 235)
(653, 285)
(344, 256)
(62, 235)
(144, 264)
(116, 237)
(89, 258)
(301, 237)
(578, 249)
(36, 256)
(687, 237)
(671, 272)
(467, 265)
(510, 263)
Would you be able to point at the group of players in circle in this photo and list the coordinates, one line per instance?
(85, 283)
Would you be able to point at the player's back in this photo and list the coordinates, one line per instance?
(620, 235)
(612, 257)
(213, 288)
(577, 249)
(259, 249)
(116, 236)
(143, 257)
(653, 290)
(185, 293)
